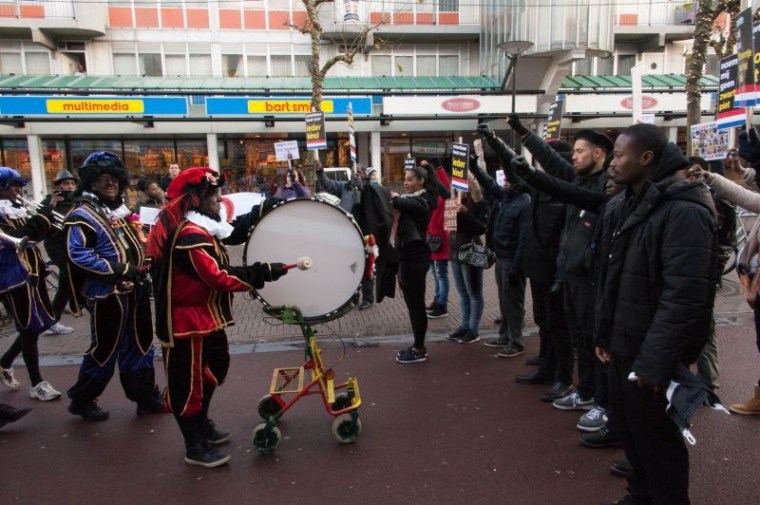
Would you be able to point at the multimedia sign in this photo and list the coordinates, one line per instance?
(100, 106)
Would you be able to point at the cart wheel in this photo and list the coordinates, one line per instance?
(342, 400)
(346, 428)
(266, 438)
(268, 407)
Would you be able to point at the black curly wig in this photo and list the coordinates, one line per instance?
(100, 163)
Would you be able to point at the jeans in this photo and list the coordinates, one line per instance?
(469, 283)
(441, 278)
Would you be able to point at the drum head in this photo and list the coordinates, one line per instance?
(325, 234)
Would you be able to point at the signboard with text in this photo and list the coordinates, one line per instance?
(100, 106)
(729, 116)
(745, 76)
(553, 120)
(287, 150)
(708, 141)
(459, 160)
(316, 136)
(284, 106)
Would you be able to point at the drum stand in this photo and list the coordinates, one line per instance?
(289, 382)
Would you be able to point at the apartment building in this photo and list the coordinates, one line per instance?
(430, 71)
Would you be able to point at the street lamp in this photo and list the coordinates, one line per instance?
(513, 49)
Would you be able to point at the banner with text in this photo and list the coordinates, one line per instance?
(745, 76)
(316, 136)
(287, 150)
(283, 106)
(729, 116)
(708, 141)
(554, 120)
(460, 156)
(100, 106)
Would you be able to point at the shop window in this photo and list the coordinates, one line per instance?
(53, 160)
(448, 65)
(81, 149)
(192, 153)
(403, 66)
(37, 63)
(10, 63)
(200, 64)
(148, 158)
(175, 64)
(150, 64)
(281, 65)
(124, 64)
(232, 65)
(257, 66)
(426, 66)
(302, 65)
(16, 155)
(381, 65)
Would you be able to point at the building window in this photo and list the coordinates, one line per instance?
(426, 66)
(583, 67)
(10, 63)
(37, 63)
(302, 65)
(403, 66)
(381, 65)
(625, 63)
(150, 64)
(448, 65)
(200, 64)
(604, 66)
(712, 65)
(124, 64)
(175, 64)
(281, 65)
(448, 5)
(232, 65)
(257, 66)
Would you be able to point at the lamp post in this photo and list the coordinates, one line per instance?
(513, 49)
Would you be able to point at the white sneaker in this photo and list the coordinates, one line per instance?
(44, 392)
(59, 329)
(8, 378)
(573, 401)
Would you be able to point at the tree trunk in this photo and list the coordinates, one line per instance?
(694, 65)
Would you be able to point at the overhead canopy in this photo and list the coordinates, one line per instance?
(663, 82)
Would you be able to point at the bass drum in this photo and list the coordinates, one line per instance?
(330, 238)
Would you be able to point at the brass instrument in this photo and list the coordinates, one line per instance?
(34, 208)
(17, 243)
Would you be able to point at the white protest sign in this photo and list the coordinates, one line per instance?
(287, 150)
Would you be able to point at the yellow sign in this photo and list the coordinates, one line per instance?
(286, 106)
(95, 106)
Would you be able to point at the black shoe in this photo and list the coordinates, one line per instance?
(621, 468)
(557, 391)
(10, 414)
(533, 378)
(534, 361)
(213, 435)
(600, 439)
(431, 306)
(89, 411)
(206, 457)
(153, 405)
(511, 351)
(411, 355)
(469, 337)
(438, 311)
(456, 334)
(366, 304)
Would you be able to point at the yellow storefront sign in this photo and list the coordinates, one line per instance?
(286, 106)
(96, 106)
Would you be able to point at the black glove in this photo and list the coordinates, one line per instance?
(485, 131)
(520, 165)
(268, 204)
(516, 125)
(749, 145)
(275, 271)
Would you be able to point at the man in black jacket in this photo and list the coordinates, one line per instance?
(657, 285)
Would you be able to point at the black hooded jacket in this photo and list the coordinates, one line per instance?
(658, 277)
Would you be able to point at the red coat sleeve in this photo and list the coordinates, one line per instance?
(213, 275)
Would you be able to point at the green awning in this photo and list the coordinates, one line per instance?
(649, 82)
(219, 85)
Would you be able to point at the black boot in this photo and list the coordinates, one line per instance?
(152, 404)
(197, 451)
(213, 435)
(10, 414)
(88, 410)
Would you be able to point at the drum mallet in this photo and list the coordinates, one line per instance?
(304, 263)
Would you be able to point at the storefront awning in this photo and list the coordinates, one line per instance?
(22, 84)
(661, 82)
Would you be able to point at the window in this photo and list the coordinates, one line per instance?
(150, 64)
(403, 66)
(604, 66)
(449, 5)
(175, 64)
(37, 63)
(426, 66)
(15, 154)
(192, 153)
(281, 65)
(257, 66)
(625, 63)
(381, 65)
(302, 65)
(448, 65)
(10, 63)
(232, 65)
(200, 64)
(583, 67)
(712, 65)
(124, 64)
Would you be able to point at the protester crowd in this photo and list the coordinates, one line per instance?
(621, 242)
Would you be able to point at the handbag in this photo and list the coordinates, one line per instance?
(434, 242)
(476, 255)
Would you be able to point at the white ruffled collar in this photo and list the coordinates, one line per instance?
(416, 193)
(119, 212)
(220, 229)
(11, 211)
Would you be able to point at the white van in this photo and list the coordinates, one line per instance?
(340, 174)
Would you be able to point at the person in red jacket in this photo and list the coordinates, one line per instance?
(194, 285)
(438, 241)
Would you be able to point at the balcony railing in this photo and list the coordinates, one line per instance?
(654, 13)
(31, 9)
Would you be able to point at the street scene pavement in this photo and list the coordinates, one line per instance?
(456, 429)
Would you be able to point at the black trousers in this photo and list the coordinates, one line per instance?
(579, 313)
(651, 440)
(412, 278)
(61, 298)
(368, 290)
(550, 319)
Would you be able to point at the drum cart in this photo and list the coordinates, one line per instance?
(288, 387)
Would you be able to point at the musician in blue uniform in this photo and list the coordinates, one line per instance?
(22, 283)
(107, 277)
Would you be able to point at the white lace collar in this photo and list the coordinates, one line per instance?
(220, 229)
(119, 212)
(9, 210)
(409, 195)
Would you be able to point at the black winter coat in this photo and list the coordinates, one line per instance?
(658, 277)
